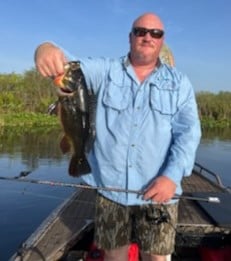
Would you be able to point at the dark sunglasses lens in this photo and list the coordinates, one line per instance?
(139, 32)
(155, 33)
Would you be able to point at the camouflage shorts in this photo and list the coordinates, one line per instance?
(151, 226)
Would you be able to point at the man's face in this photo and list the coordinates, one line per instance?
(146, 39)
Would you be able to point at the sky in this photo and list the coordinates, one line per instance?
(197, 31)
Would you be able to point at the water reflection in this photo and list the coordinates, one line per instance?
(223, 134)
(34, 145)
(214, 152)
(31, 145)
(23, 206)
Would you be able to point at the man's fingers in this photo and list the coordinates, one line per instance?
(51, 68)
(161, 190)
(44, 70)
(149, 194)
(157, 198)
(50, 60)
(58, 66)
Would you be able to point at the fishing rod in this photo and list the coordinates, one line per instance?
(114, 189)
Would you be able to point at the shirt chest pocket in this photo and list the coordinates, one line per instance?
(164, 97)
(117, 93)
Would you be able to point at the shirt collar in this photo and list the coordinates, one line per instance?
(126, 61)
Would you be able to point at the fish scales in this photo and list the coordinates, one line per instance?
(76, 109)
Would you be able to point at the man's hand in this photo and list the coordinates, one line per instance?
(161, 190)
(49, 60)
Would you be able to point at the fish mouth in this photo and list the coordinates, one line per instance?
(61, 87)
(64, 92)
(58, 80)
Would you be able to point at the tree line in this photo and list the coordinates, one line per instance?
(27, 92)
(30, 92)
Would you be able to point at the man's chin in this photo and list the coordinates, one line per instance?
(147, 55)
(144, 60)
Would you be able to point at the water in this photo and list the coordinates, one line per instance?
(23, 206)
(216, 156)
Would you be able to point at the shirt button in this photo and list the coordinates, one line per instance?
(135, 125)
(138, 108)
(130, 166)
(133, 145)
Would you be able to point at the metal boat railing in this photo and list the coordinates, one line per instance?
(204, 171)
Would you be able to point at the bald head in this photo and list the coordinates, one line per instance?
(146, 39)
(148, 20)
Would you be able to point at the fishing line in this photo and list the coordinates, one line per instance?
(46, 196)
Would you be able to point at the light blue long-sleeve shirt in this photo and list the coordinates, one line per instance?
(143, 130)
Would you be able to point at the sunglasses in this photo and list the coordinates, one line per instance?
(141, 32)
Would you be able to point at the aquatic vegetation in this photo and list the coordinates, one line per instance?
(29, 120)
(25, 98)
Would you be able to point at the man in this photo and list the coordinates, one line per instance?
(147, 134)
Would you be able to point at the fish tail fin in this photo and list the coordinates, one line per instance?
(79, 166)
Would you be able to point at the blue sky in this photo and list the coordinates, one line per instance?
(197, 31)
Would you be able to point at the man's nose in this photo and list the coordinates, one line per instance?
(147, 36)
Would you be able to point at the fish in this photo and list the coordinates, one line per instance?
(76, 108)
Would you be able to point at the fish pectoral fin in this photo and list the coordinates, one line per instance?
(79, 166)
(65, 144)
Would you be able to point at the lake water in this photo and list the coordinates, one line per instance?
(23, 206)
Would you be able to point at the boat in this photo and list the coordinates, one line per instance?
(203, 231)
